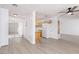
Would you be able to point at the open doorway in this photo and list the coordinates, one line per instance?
(15, 28)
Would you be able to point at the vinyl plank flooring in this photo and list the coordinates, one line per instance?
(47, 46)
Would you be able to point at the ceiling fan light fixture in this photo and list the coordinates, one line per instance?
(70, 13)
(15, 5)
(15, 15)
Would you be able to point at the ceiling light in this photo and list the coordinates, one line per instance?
(15, 5)
(15, 15)
(70, 13)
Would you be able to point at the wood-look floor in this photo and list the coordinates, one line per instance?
(47, 46)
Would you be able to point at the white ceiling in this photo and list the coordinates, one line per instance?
(44, 9)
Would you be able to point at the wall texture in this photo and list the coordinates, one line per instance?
(29, 28)
(70, 25)
(4, 17)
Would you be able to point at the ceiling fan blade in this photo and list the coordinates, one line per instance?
(74, 8)
(62, 12)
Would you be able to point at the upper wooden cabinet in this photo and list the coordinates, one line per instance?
(38, 22)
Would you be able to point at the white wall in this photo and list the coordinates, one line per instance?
(54, 28)
(4, 17)
(15, 19)
(70, 25)
(29, 28)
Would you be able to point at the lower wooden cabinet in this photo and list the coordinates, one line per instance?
(38, 37)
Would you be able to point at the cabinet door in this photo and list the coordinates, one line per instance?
(37, 37)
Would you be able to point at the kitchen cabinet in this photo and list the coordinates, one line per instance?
(38, 37)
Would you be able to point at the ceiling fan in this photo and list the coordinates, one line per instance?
(15, 6)
(70, 10)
